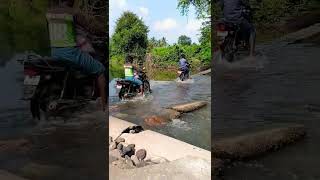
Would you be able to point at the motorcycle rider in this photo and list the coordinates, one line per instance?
(183, 64)
(131, 73)
(233, 13)
(69, 43)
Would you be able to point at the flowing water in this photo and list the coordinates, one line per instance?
(53, 143)
(276, 95)
(193, 128)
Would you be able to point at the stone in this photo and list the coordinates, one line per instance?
(128, 160)
(119, 140)
(132, 131)
(129, 150)
(141, 154)
(120, 146)
(135, 160)
(112, 146)
(156, 121)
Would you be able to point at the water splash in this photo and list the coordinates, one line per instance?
(180, 124)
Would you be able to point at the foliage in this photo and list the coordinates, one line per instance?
(130, 36)
(170, 55)
(184, 40)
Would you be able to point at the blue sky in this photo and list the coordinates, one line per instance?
(161, 16)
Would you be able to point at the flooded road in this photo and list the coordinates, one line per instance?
(285, 91)
(193, 128)
(61, 147)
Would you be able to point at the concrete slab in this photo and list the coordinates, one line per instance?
(116, 126)
(188, 168)
(156, 144)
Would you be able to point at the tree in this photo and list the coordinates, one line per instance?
(184, 40)
(163, 42)
(130, 36)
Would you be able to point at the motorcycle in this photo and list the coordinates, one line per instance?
(129, 89)
(184, 74)
(52, 86)
(230, 39)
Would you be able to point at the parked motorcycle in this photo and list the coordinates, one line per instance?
(128, 89)
(230, 39)
(53, 86)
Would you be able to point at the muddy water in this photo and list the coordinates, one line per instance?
(193, 128)
(276, 95)
(54, 143)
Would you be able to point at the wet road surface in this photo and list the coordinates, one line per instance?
(278, 93)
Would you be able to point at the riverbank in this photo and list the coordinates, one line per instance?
(177, 156)
(308, 16)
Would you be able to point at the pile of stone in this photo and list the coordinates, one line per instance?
(125, 156)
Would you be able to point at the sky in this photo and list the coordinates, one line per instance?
(161, 16)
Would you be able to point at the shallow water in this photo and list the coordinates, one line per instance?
(193, 128)
(276, 95)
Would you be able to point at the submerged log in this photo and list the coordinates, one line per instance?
(188, 107)
(253, 145)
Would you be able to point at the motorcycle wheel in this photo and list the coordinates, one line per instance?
(146, 86)
(228, 52)
(122, 93)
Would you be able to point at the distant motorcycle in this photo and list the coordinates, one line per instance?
(52, 86)
(184, 74)
(129, 89)
(230, 41)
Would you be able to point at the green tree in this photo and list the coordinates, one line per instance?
(163, 42)
(184, 40)
(130, 36)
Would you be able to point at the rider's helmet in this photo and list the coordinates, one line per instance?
(182, 56)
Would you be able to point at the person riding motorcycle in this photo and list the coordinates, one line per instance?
(68, 43)
(184, 64)
(131, 73)
(233, 13)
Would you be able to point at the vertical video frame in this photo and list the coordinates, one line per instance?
(53, 104)
(159, 89)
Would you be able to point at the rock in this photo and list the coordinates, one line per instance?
(141, 154)
(156, 121)
(188, 107)
(119, 140)
(120, 146)
(132, 131)
(112, 146)
(135, 160)
(128, 160)
(170, 114)
(129, 150)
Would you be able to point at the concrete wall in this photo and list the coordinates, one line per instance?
(156, 144)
